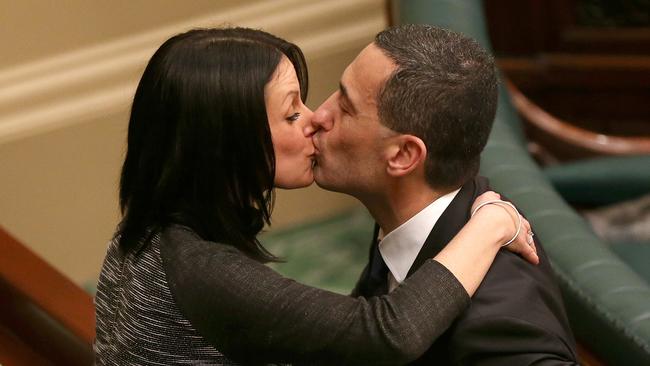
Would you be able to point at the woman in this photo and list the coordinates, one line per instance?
(217, 122)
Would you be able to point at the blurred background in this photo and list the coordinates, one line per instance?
(571, 146)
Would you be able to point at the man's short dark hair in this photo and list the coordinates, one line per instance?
(444, 91)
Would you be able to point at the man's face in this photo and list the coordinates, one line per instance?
(351, 143)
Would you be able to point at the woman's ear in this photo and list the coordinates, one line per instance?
(406, 154)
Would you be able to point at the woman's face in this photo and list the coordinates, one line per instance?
(290, 123)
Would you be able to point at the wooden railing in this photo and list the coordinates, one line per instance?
(569, 140)
(44, 317)
(602, 100)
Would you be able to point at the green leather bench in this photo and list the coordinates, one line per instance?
(590, 182)
(329, 253)
(603, 181)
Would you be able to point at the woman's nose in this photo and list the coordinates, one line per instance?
(309, 127)
(322, 119)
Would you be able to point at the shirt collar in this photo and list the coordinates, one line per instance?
(400, 247)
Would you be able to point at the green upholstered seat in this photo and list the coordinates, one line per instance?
(329, 253)
(603, 180)
(636, 255)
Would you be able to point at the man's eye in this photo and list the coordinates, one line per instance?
(294, 117)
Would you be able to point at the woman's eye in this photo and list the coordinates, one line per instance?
(294, 117)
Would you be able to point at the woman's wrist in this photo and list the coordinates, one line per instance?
(498, 220)
(510, 208)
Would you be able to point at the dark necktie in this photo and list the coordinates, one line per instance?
(378, 275)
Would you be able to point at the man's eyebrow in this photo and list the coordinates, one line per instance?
(346, 96)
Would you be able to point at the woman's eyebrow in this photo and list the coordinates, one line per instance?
(290, 96)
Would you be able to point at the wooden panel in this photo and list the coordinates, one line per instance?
(555, 139)
(42, 307)
(603, 72)
(586, 358)
(46, 287)
(531, 27)
(607, 40)
(15, 352)
(527, 27)
(606, 94)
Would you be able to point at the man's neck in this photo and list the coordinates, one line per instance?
(401, 202)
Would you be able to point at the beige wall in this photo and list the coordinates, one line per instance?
(66, 77)
(34, 29)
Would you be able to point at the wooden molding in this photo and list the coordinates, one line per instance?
(586, 357)
(100, 80)
(595, 72)
(14, 352)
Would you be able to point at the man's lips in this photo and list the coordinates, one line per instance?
(314, 141)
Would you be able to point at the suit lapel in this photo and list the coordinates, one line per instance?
(450, 222)
(447, 226)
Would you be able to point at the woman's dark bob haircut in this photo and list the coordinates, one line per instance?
(199, 149)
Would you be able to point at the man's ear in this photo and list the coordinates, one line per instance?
(406, 154)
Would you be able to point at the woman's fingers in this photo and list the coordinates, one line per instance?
(524, 245)
(530, 240)
(529, 254)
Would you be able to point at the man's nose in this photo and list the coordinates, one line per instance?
(322, 119)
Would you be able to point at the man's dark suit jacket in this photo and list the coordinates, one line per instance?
(516, 316)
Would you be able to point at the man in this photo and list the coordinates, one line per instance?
(403, 134)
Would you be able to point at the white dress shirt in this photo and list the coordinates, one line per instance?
(400, 247)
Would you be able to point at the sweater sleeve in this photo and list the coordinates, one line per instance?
(253, 314)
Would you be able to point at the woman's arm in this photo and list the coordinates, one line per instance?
(251, 313)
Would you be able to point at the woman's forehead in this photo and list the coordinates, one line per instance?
(285, 72)
(283, 80)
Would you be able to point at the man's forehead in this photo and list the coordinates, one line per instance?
(375, 57)
(368, 71)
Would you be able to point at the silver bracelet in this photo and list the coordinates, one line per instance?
(501, 203)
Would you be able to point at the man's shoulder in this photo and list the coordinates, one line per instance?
(516, 288)
(516, 293)
(518, 309)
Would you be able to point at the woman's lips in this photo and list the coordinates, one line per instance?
(314, 158)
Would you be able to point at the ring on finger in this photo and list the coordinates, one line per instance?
(529, 239)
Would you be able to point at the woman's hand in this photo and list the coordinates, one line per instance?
(506, 219)
(471, 252)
